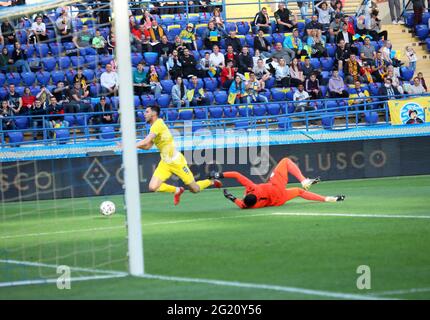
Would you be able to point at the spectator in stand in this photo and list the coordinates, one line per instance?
(351, 70)
(206, 65)
(358, 97)
(375, 27)
(197, 96)
(80, 77)
(8, 32)
(303, 6)
(312, 25)
(412, 57)
(140, 40)
(217, 19)
(27, 101)
(324, 14)
(188, 37)
(262, 21)
(262, 44)
(217, 59)
(188, 63)
(105, 115)
(61, 93)
(303, 97)
(283, 21)
(179, 94)
(6, 116)
(345, 36)
(19, 58)
(233, 41)
(156, 32)
(260, 71)
(178, 45)
(237, 91)
(312, 86)
(334, 28)
(38, 31)
(367, 51)
(417, 88)
(109, 81)
(284, 53)
(395, 15)
(153, 79)
(394, 76)
(57, 116)
(245, 62)
(147, 19)
(230, 55)
(1, 39)
(336, 86)
(387, 90)
(366, 72)
(342, 54)
(82, 39)
(79, 99)
(6, 62)
(111, 42)
(422, 80)
(139, 80)
(308, 69)
(386, 54)
(174, 66)
(37, 111)
(227, 75)
(212, 35)
(379, 67)
(254, 88)
(99, 43)
(164, 49)
(282, 74)
(337, 9)
(14, 99)
(296, 73)
(64, 27)
(294, 43)
(317, 43)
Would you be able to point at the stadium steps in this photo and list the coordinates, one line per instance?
(400, 37)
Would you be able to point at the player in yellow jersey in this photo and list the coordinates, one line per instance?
(172, 161)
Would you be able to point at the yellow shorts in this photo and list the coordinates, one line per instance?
(179, 168)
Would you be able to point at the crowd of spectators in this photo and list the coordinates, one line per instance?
(281, 54)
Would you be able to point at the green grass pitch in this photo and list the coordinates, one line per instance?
(207, 237)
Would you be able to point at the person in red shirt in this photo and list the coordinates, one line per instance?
(228, 74)
(273, 192)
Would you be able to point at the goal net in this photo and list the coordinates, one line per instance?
(59, 158)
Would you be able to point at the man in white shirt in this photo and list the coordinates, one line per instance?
(217, 59)
(38, 31)
(302, 95)
(417, 88)
(109, 81)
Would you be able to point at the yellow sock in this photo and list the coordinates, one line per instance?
(203, 184)
(166, 188)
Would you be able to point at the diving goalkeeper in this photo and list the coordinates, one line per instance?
(273, 192)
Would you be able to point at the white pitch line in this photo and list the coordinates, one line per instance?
(46, 281)
(55, 266)
(353, 215)
(325, 294)
(405, 291)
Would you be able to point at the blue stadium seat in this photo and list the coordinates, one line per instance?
(172, 115)
(28, 78)
(167, 86)
(107, 132)
(21, 36)
(259, 110)
(22, 123)
(186, 114)
(89, 74)
(151, 58)
(428, 44)
(211, 84)
(331, 105)
(137, 101)
(15, 137)
(3, 93)
(315, 63)
(215, 112)
(241, 124)
(91, 61)
(57, 76)
(245, 111)
(230, 112)
(273, 109)
(371, 117)
(278, 95)
(327, 64)
(64, 63)
(77, 61)
(147, 100)
(210, 97)
(162, 71)
(164, 100)
(36, 89)
(284, 123)
(43, 77)
(243, 27)
(200, 113)
(323, 91)
(250, 40)
(230, 26)
(270, 83)
(49, 63)
(62, 135)
(136, 58)
(19, 90)
(327, 122)
(2, 79)
(95, 89)
(56, 48)
(13, 78)
(70, 74)
(221, 97)
(199, 84)
(374, 88)
(70, 119)
(29, 49)
(200, 30)
(406, 73)
(422, 31)
(331, 49)
(42, 49)
(105, 59)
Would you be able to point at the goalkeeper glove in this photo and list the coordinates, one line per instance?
(229, 195)
(216, 175)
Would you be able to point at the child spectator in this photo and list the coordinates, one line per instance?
(412, 57)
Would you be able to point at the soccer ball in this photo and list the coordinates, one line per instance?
(107, 208)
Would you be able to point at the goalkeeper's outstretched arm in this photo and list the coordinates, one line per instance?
(244, 181)
(232, 198)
